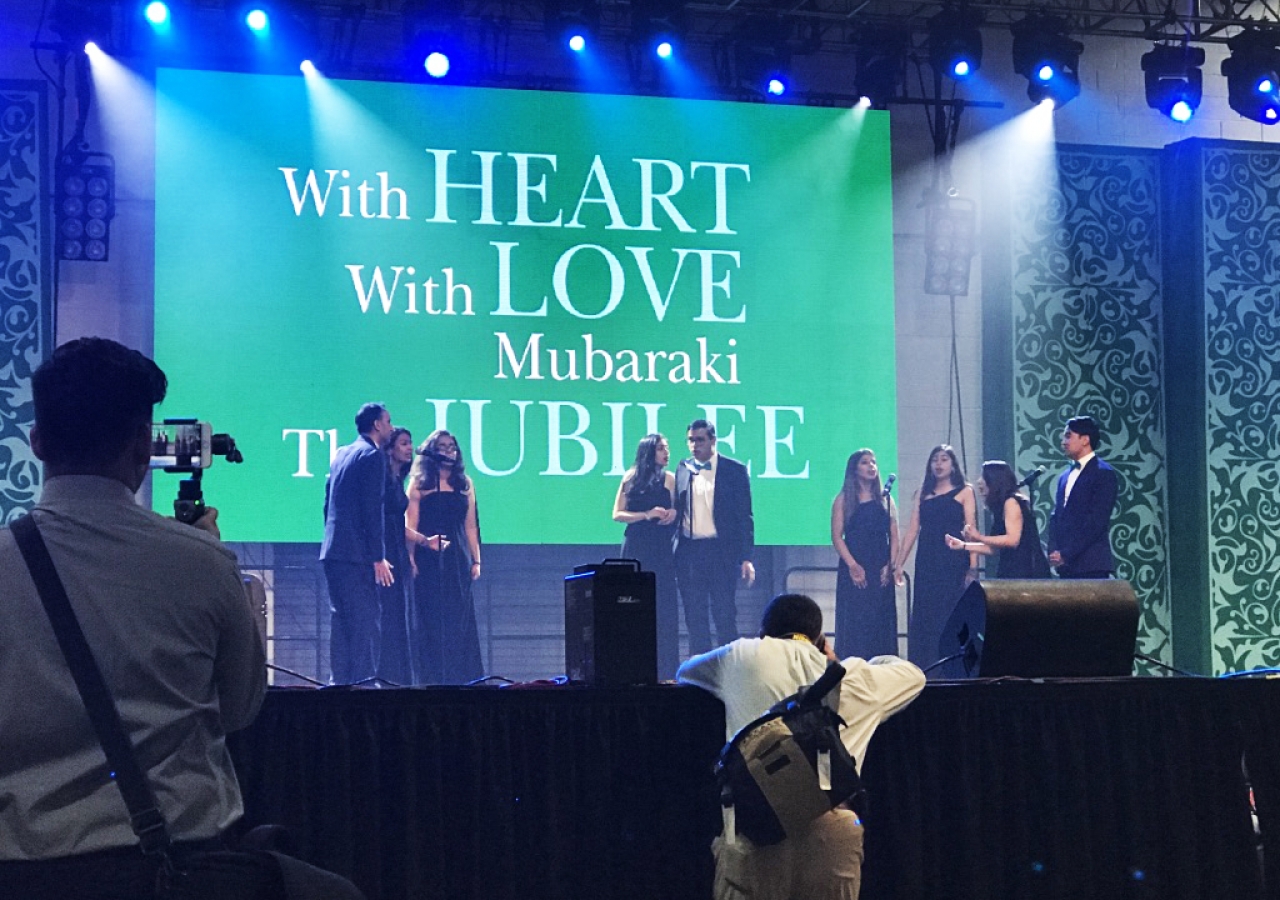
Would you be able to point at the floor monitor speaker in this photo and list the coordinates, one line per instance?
(610, 624)
(1067, 628)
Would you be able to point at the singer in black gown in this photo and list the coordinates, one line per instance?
(645, 502)
(944, 505)
(442, 501)
(864, 532)
(1014, 543)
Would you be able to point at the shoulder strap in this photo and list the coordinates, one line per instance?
(144, 813)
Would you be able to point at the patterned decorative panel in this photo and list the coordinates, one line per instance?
(1087, 340)
(1241, 229)
(25, 315)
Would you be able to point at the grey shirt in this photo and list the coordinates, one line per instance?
(162, 606)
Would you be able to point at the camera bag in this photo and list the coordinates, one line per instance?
(786, 768)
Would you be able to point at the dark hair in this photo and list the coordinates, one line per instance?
(849, 490)
(1086, 426)
(91, 398)
(792, 614)
(426, 468)
(398, 470)
(1002, 483)
(930, 481)
(368, 416)
(702, 425)
(646, 472)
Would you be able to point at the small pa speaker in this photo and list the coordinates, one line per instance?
(1072, 628)
(610, 624)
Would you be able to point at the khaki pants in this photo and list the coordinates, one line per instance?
(822, 863)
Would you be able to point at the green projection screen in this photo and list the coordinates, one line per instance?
(549, 276)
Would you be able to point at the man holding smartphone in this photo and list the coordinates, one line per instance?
(165, 615)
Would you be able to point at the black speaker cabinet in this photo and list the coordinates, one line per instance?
(1045, 629)
(610, 624)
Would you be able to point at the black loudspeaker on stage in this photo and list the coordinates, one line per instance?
(1044, 629)
(610, 624)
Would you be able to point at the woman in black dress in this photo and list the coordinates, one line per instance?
(864, 531)
(442, 502)
(394, 663)
(944, 505)
(1014, 541)
(646, 503)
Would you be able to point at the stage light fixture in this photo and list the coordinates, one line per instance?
(1047, 58)
(257, 20)
(157, 13)
(955, 43)
(433, 48)
(762, 55)
(86, 188)
(436, 64)
(658, 25)
(80, 22)
(879, 59)
(1174, 81)
(572, 23)
(1251, 70)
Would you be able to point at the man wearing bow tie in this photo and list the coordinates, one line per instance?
(1080, 528)
(714, 539)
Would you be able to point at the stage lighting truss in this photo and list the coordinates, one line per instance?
(1047, 58)
(1174, 81)
(1253, 75)
(880, 62)
(762, 56)
(572, 24)
(85, 198)
(951, 242)
(955, 43)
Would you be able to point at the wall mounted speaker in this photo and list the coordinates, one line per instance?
(1044, 629)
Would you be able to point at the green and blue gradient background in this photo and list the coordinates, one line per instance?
(259, 330)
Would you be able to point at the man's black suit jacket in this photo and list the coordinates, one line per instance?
(1080, 529)
(353, 520)
(735, 524)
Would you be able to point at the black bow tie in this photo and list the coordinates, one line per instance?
(1076, 465)
(699, 466)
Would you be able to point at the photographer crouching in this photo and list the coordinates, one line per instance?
(163, 610)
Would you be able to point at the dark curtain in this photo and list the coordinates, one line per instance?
(1125, 788)
(1098, 789)
(487, 793)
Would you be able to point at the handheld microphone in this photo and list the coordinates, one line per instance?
(888, 485)
(1031, 477)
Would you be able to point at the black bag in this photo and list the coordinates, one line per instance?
(183, 874)
(786, 768)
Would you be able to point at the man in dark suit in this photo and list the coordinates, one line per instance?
(1080, 529)
(354, 549)
(714, 538)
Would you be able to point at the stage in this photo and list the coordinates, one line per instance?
(999, 789)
